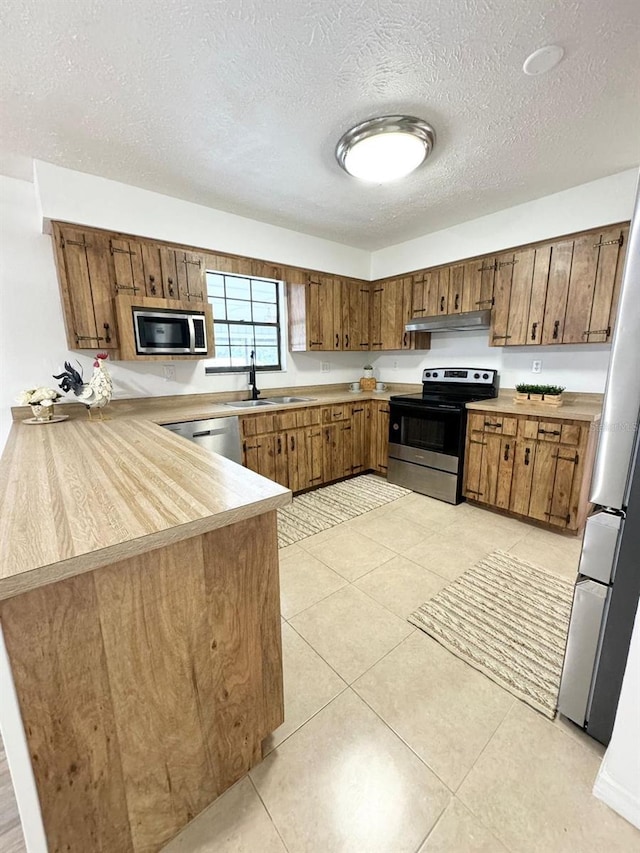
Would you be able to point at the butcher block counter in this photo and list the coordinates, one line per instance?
(140, 650)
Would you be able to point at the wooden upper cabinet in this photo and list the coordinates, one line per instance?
(169, 266)
(557, 292)
(128, 271)
(456, 288)
(479, 277)
(355, 316)
(190, 268)
(152, 268)
(86, 286)
(596, 270)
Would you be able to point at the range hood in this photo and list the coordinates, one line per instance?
(467, 322)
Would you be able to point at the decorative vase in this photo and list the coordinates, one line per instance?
(41, 413)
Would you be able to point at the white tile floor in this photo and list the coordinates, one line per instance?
(390, 742)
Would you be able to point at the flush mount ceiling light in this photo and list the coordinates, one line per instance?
(543, 60)
(385, 148)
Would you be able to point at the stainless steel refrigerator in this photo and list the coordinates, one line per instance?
(608, 585)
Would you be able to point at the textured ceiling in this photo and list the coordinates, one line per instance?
(238, 104)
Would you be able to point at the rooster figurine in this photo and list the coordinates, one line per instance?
(94, 394)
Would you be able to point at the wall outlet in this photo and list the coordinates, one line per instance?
(325, 367)
(536, 366)
(169, 372)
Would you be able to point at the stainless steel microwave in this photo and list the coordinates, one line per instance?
(170, 332)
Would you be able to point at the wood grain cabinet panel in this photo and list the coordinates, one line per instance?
(537, 469)
(190, 268)
(152, 267)
(148, 686)
(379, 436)
(128, 269)
(557, 292)
(456, 288)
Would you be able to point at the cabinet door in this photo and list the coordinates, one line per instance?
(582, 282)
(456, 288)
(356, 332)
(297, 459)
(557, 291)
(499, 333)
(473, 463)
(544, 472)
(127, 266)
(377, 291)
(340, 321)
(347, 441)
(408, 339)
(442, 297)
(332, 453)
(169, 265)
(379, 436)
(191, 276)
(358, 438)
(152, 268)
(611, 254)
(313, 438)
(538, 295)
(512, 298)
(562, 510)
(281, 463)
(391, 326)
(88, 290)
(522, 476)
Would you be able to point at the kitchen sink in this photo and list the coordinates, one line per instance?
(288, 399)
(245, 404)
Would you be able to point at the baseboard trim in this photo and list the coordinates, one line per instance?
(617, 798)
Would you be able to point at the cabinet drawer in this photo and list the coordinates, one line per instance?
(285, 420)
(257, 424)
(499, 424)
(308, 417)
(331, 414)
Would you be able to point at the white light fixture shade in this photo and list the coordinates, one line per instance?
(543, 60)
(384, 149)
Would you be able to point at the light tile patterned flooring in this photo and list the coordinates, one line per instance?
(391, 743)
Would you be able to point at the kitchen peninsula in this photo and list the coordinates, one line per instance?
(139, 604)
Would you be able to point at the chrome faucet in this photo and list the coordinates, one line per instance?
(252, 377)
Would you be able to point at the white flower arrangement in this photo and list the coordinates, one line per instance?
(39, 397)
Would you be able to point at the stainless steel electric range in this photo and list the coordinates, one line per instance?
(427, 431)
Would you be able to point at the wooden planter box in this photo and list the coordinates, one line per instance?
(368, 384)
(552, 400)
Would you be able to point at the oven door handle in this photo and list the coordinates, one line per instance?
(421, 408)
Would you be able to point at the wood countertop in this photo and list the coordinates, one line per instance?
(75, 496)
(577, 407)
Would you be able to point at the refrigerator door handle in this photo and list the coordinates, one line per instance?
(589, 602)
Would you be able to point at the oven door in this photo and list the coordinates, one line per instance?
(428, 435)
(163, 332)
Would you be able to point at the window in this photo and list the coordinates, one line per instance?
(246, 317)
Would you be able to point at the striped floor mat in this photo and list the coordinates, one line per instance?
(324, 508)
(508, 619)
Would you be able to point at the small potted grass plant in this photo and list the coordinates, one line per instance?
(548, 395)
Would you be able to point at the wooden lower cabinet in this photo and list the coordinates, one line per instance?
(304, 448)
(379, 436)
(541, 470)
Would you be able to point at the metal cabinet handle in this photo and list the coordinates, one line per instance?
(404, 340)
(152, 282)
(534, 331)
(442, 303)
(556, 330)
(279, 445)
(337, 340)
(293, 442)
(496, 426)
(456, 302)
(507, 447)
(526, 456)
(548, 432)
(346, 341)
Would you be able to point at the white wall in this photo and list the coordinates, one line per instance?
(87, 199)
(579, 368)
(32, 339)
(618, 782)
(589, 205)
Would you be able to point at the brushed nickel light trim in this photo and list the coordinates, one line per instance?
(400, 126)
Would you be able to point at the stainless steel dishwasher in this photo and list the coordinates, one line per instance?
(219, 435)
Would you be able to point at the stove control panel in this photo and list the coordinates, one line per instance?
(466, 375)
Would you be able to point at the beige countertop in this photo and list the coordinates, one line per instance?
(77, 495)
(577, 407)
